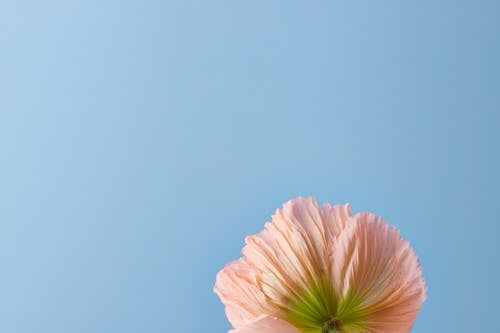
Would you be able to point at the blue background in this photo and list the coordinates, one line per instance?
(141, 141)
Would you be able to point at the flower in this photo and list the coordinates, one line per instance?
(315, 270)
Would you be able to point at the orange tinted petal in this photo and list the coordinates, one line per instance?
(377, 271)
(266, 324)
(238, 288)
(288, 258)
(334, 220)
(291, 253)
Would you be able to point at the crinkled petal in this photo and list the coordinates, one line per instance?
(285, 267)
(293, 249)
(377, 277)
(267, 324)
(334, 220)
(238, 288)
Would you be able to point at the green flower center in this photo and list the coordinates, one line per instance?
(331, 326)
(318, 310)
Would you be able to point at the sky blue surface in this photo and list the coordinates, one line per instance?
(141, 141)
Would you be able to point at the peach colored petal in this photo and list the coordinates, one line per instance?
(334, 220)
(372, 262)
(289, 255)
(238, 288)
(266, 324)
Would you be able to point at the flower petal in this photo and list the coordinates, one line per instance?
(291, 260)
(294, 247)
(334, 220)
(285, 269)
(267, 324)
(377, 277)
(238, 288)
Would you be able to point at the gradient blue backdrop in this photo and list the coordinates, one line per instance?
(141, 141)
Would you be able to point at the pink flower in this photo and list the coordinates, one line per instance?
(315, 270)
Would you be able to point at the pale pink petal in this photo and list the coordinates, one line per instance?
(289, 256)
(372, 262)
(292, 252)
(266, 324)
(238, 288)
(334, 220)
